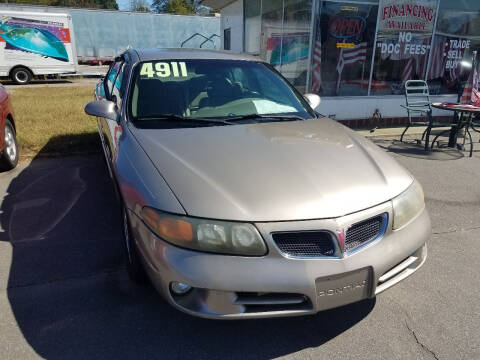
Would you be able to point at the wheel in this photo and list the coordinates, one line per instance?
(134, 265)
(9, 157)
(21, 76)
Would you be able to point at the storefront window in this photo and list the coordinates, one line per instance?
(253, 21)
(342, 50)
(272, 23)
(457, 35)
(414, 39)
(404, 38)
(296, 42)
(286, 37)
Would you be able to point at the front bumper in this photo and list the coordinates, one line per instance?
(230, 287)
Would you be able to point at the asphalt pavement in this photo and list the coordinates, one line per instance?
(65, 294)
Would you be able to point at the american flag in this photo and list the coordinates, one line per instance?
(421, 65)
(454, 72)
(317, 65)
(470, 93)
(422, 60)
(352, 56)
(407, 71)
(437, 61)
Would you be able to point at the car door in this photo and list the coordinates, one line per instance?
(111, 130)
(3, 115)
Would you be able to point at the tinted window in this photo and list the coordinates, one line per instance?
(113, 78)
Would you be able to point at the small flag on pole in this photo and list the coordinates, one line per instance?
(470, 94)
(317, 64)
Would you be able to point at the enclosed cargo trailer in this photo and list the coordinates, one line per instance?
(36, 43)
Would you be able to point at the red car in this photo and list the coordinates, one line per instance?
(8, 139)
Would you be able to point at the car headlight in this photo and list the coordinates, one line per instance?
(407, 205)
(223, 237)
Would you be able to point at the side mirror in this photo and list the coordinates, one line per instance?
(102, 108)
(313, 100)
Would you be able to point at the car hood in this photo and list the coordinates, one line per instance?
(273, 171)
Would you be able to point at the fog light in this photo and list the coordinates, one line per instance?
(179, 288)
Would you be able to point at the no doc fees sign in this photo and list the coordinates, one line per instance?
(407, 48)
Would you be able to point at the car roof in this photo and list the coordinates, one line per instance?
(185, 54)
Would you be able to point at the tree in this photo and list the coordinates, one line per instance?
(159, 6)
(142, 9)
(139, 6)
(108, 4)
(183, 7)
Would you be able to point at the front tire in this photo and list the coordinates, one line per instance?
(9, 157)
(134, 265)
(21, 76)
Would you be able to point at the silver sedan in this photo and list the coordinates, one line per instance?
(238, 200)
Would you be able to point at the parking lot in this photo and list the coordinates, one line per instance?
(64, 293)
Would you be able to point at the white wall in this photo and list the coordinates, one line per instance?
(232, 17)
(344, 108)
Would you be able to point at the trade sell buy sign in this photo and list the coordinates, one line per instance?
(407, 15)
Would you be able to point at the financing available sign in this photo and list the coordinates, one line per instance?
(407, 15)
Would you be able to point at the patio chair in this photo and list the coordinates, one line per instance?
(417, 101)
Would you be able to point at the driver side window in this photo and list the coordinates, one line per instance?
(112, 78)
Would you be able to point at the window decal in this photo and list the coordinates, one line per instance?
(163, 69)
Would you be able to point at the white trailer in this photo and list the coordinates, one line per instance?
(36, 43)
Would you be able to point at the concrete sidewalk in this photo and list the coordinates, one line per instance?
(396, 132)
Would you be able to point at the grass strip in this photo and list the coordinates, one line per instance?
(51, 121)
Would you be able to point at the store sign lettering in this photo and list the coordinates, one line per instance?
(408, 10)
(346, 27)
(408, 15)
(455, 52)
(404, 46)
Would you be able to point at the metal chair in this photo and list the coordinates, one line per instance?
(417, 101)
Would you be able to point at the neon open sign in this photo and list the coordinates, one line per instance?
(346, 27)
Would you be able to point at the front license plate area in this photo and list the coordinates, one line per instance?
(342, 289)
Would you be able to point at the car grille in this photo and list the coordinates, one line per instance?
(305, 243)
(269, 302)
(365, 231)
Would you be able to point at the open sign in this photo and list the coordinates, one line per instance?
(345, 27)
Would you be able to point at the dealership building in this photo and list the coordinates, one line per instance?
(358, 54)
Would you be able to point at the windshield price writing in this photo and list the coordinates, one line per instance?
(164, 69)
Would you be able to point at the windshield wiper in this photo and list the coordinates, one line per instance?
(264, 116)
(181, 118)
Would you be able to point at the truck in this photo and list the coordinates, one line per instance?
(36, 44)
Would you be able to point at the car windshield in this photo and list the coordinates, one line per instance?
(185, 93)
